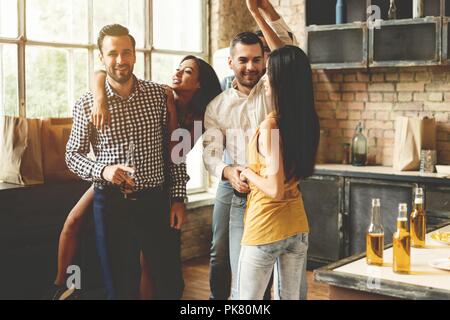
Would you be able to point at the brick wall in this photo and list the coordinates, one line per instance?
(376, 98)
(196, 233)
(228, 18)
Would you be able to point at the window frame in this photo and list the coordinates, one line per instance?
(22, 42)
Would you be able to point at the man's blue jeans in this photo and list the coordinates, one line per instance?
(238, 206)
(124, 228)
(220, 271)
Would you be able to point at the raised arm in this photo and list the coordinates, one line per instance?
(272, 39)
(100, 116)
(268, 10)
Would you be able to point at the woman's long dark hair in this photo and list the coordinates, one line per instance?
(209, 87)
(290, 78)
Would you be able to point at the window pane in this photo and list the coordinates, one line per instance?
(139, 67)
(164, 66)
(177, 25)
(129, 13)
(9, 102)
(78, 66)
(57, 21)
(8, 18)
(56, 78)
(195, 168)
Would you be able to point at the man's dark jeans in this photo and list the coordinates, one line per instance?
(123, 229)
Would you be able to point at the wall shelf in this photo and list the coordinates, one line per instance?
(335, 47)
(401, 42)
(445, 41)
(408, 42)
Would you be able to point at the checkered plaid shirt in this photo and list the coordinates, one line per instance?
(142, 118)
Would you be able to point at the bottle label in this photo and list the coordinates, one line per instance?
(418, 201)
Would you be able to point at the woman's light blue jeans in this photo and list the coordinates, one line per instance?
(256, 264)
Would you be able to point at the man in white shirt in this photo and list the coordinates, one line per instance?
(230, 121)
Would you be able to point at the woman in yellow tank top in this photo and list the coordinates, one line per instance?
(280, 154)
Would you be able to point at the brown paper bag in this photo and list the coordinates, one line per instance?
(20, 151)
(411, 136)
(55, 134)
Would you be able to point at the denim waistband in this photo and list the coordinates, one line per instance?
(136, 195)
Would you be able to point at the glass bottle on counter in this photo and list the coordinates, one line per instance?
(401, 242)
(359, 147)
(418, 221)
(375, 236)
(340, 11)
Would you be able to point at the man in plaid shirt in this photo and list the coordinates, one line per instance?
(130, 208)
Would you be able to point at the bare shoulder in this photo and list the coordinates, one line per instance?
(269, 123)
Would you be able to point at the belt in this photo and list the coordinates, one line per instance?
(139, 194)
(239, 194)
(135, 195)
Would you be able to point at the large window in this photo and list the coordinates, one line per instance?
(48, 51)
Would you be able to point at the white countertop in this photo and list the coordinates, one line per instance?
(421, 273)
(377, 170)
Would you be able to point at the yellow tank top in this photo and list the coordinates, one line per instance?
(267, 220)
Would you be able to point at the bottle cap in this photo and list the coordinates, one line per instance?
(402, 207)
(375, 202)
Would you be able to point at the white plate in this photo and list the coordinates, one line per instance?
(443, 264)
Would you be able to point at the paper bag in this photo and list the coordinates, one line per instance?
(411, 136)
(55, 134)
(20, 151)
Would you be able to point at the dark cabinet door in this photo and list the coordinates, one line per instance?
(30, 223)
(358, 203)
(437, 205)
(322, 196)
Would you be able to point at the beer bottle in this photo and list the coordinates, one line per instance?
(418, 221)
(401, 242)
(375, 236)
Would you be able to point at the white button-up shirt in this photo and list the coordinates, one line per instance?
(232, 118)
(230, 121)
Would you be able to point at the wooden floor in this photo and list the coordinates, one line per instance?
(197, 282)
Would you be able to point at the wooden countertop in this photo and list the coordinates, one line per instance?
(423, 282)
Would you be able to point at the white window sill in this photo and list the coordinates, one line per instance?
(199, 200)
